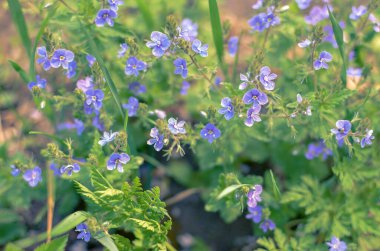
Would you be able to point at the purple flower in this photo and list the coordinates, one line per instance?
(245, 79)
(15, 171)
(132, 106)
(123, 49)
(321, 62)
(258, 4)
(71, 70)
(137, 88)
(98, 123)
(105, 16)
(200, 49)
(336, 245)
(304, 43)
(114, 4)
(70, 168)
(160, 43)
(84, 233)
(61, 57)
(257, 22)
(134, 66)
(303, 4)
(43, 58)
(317, 149)
(367, 140)
(271, 19)
(90, 59)
(254, 196)
(40, 83)
(256, 97)
(188, 30)
(85, 84)
(94, 100)
(233, 44)
(255, 214)
(210, 132)
(107, 138)
(343, 127)
(357, 12)
(227, 108)
(117, 160)
(55, 169)
(266, 78)
(317, 14)
(180, 67)
(267, 225)
(157, 139)
(218, 80)
(185, 87)
(33, 176)
(354, 72)
(78, 125)
(253, 115)
(176, 127)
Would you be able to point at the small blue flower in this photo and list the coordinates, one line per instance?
(254, 196)
(257, 22)
(90, 59)
(40, 83)
(70, 168)
(227, 108)
(123, 49)
(321, 62)
(188, 30)
(84, 233)
(354, 72)
(255, 214)
(343, 127)
(43, 58)
(137, 88)
(317, 14)
(85, 84)
(255, 97)
(315, 150)
(157, 139)
(253, 115)
(117, 160)
(160, 43)
(218, 80)
(233, 45)
(180, 67)
(97, 123)
(61, 57)
(367, 140)
(78, 125)
(94, 101)
(245, 79)
(107, 138)
(303, 4)
(132, 106)
(336, 245)
(357, 12)
(200, 49)
(267, 225)
(266, 78)
(71, 70)
(105, 16)
(114, 4)
(134, 66)
(185, 87)
(176, 127)
(55, 169)
(33, 176)
(210, 132)
(15, 171)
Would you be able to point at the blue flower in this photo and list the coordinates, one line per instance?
(357, 12)
(255, 214)
(33, 176)
(267, 225)
(15, 171)
(98, 123)
(157, 139)
(160, 43)
(94, 101)
(200, 49)
(263, 21)
(336, 245)
(107, 138)
(105, 16)
(266, 78)
(176, 127)
(185, 87)
(210, 132)
(61, 57)
(354, 72)
(71, 70)
(114, 4)
(315, 150)
(367, 140)
(180, 67)
(137, 88)
(303, 4)
(188, 30)
(227, 108)
(134, 66)
(85, 84)
(218, 80)
(90, 59)
(321, 62)
(317, 14)
(343, 127)
(78, 125)
(255, 97)
(132, 106)
(84, 233)
(70, 168)
(245, 79)
(254, 196)
(55, 169)
(253, 115)
(117, 160)
(123, 49)
(233, 45)
(43, 58)
(40, 83)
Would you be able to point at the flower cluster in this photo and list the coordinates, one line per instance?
(60, 57)
(264, 20)
(107, 16)
(343, 131)
(84, 233)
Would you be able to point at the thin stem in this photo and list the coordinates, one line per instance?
(50, 203)
(201, 72)
(67, 6)
(181, 196)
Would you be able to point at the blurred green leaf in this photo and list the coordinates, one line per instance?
(106, 241)
(20, 71)
(276, 190)
(58, 244)
(145, 12)
(228, 190)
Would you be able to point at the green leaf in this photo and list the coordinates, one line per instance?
(338, 33)
(106, 241)
(144, 8)
(12, 247)
(18, 19)
(20, 71)
(58, 244)
(276, 190)
(59, 140)
(228, 190)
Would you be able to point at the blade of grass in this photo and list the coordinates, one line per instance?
(20, 71)
(276, 190)
(145, 12)
(19, 20)
(106, 241)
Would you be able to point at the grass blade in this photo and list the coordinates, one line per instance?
(145, 12)
(106, 241)
(276, 190)
(18, 19)
(20, 71)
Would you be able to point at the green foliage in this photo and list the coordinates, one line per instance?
(58, 244)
